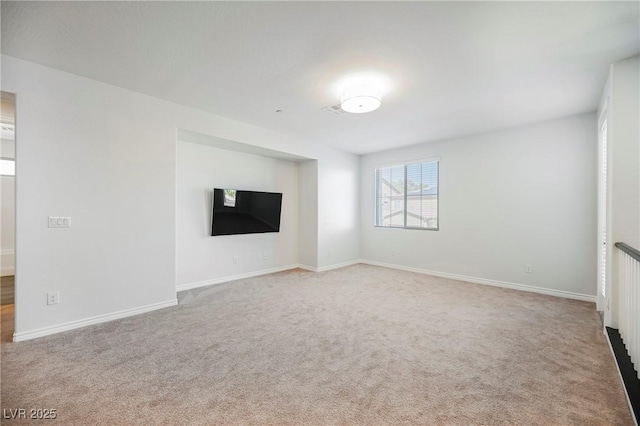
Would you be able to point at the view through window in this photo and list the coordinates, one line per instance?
(407, 196)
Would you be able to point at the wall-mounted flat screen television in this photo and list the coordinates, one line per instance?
(245, 212)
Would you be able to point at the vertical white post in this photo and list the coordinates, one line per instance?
(628, 307)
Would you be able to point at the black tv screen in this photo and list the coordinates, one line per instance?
(245, 212)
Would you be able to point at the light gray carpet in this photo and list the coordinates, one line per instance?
(360, 345)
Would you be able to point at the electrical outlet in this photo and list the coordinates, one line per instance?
(235, 260)
(53, 298)
(528, 269)
(393, 252)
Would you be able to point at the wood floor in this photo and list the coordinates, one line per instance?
(6, 323)
(7, 290)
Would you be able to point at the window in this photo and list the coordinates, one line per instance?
(407, 196)
(7, 167)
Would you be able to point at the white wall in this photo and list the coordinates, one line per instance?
(106, 157)
(308, 215)
(516, 197)
(625, 150)
(203, 259)
(622, 91)
(337, 214)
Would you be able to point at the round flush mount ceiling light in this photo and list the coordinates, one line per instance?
(361, 99)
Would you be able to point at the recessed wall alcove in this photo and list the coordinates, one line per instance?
(204, 162)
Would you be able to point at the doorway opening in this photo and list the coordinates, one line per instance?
(8, 222)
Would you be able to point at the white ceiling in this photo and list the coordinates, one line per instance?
(452, 68)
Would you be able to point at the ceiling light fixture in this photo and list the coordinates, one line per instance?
(361, 99)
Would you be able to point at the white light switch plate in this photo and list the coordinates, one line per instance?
(59, 222)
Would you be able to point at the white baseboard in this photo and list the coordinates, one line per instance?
(307, 267)
(27, 335)
(484, 281)
(189, 286)
(41, 332)
(7, 262)
(457, 277)
(338, 265)
(330, 267)
(7, 271)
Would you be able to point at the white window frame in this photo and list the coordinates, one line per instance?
(405, 164)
